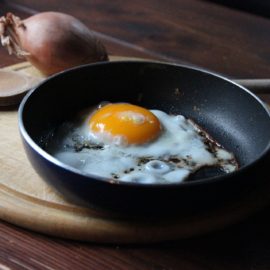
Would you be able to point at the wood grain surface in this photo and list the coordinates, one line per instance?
(187, 31)
(197, 32)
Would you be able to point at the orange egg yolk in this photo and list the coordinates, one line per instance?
(135, 124)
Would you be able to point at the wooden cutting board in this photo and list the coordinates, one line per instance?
(27, 201)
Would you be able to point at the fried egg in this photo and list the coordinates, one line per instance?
(128, 143)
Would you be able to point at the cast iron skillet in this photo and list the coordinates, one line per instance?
(230, 113)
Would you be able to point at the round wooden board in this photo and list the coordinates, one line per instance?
(27, 201)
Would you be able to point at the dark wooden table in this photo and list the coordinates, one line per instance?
(200, 33)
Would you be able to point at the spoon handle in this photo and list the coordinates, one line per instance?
(257, 86)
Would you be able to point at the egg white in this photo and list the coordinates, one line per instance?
(180, 150)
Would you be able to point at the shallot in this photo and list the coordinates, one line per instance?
(51, 41)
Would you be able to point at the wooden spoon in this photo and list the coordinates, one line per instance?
(14, 85)
(257, 86)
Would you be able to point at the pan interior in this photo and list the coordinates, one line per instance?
(232, 116)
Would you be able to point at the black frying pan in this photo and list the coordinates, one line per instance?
(231, 114)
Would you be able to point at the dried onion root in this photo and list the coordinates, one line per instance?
(51, 41)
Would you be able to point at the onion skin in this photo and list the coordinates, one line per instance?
(51, 41)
